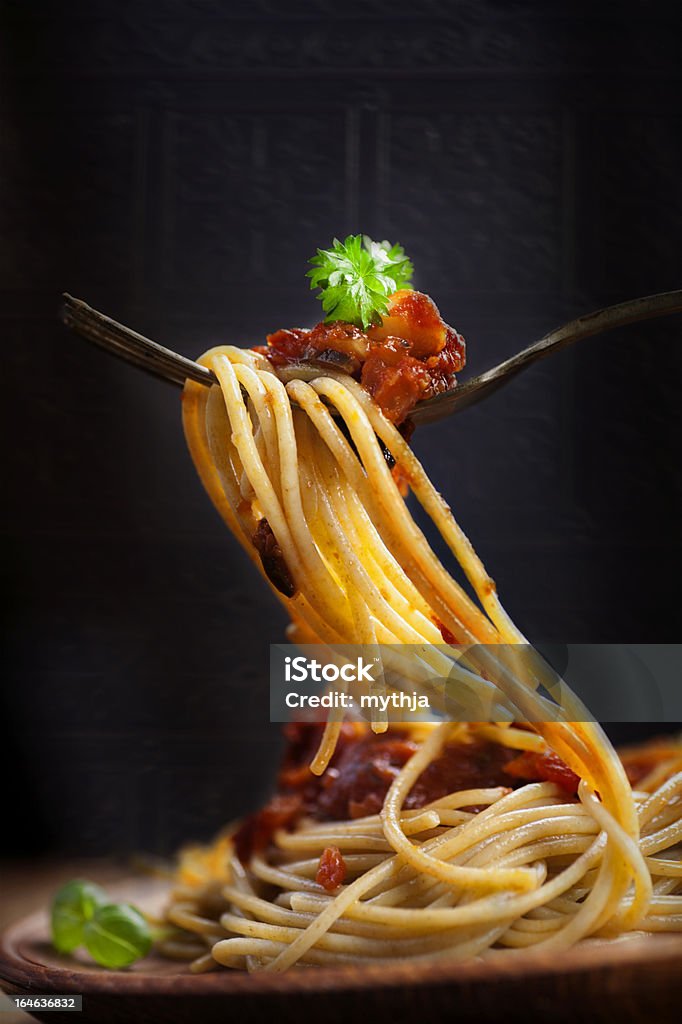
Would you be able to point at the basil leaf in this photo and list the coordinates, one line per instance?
(117, 935)
(74, 905)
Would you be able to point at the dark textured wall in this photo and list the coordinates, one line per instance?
(175, 164)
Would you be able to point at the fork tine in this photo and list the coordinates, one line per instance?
(131, 346)
(109, 343)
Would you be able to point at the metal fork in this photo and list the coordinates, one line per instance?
(171, 366)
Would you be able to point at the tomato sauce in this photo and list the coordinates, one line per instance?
(272, 559)
(365, 764)
(543, 767)
(256, 831)
(412, 355)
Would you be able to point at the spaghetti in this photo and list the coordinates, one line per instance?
(298, 470)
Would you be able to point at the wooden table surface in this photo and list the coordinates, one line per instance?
(26, 886)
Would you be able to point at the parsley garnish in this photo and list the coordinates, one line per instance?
(356, 277)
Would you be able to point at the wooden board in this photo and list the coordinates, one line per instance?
(634, 980)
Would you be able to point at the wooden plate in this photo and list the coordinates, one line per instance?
(638, 979)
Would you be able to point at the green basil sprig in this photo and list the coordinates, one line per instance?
(117, 935)
(74, 905)
(114, 934)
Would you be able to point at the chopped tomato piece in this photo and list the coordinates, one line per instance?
(395, 380)
(332, 870)
(414, 317)
(286, 346)
(546, 767)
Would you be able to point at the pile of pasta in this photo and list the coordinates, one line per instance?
(524, 868)
(299, 471)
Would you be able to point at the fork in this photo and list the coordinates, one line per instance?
(171, 366)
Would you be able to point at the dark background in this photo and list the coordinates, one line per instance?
(175, 164)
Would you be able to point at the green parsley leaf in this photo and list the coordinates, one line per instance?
(73, 906)
(392, 260)
(355, 278)
(117, 935)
